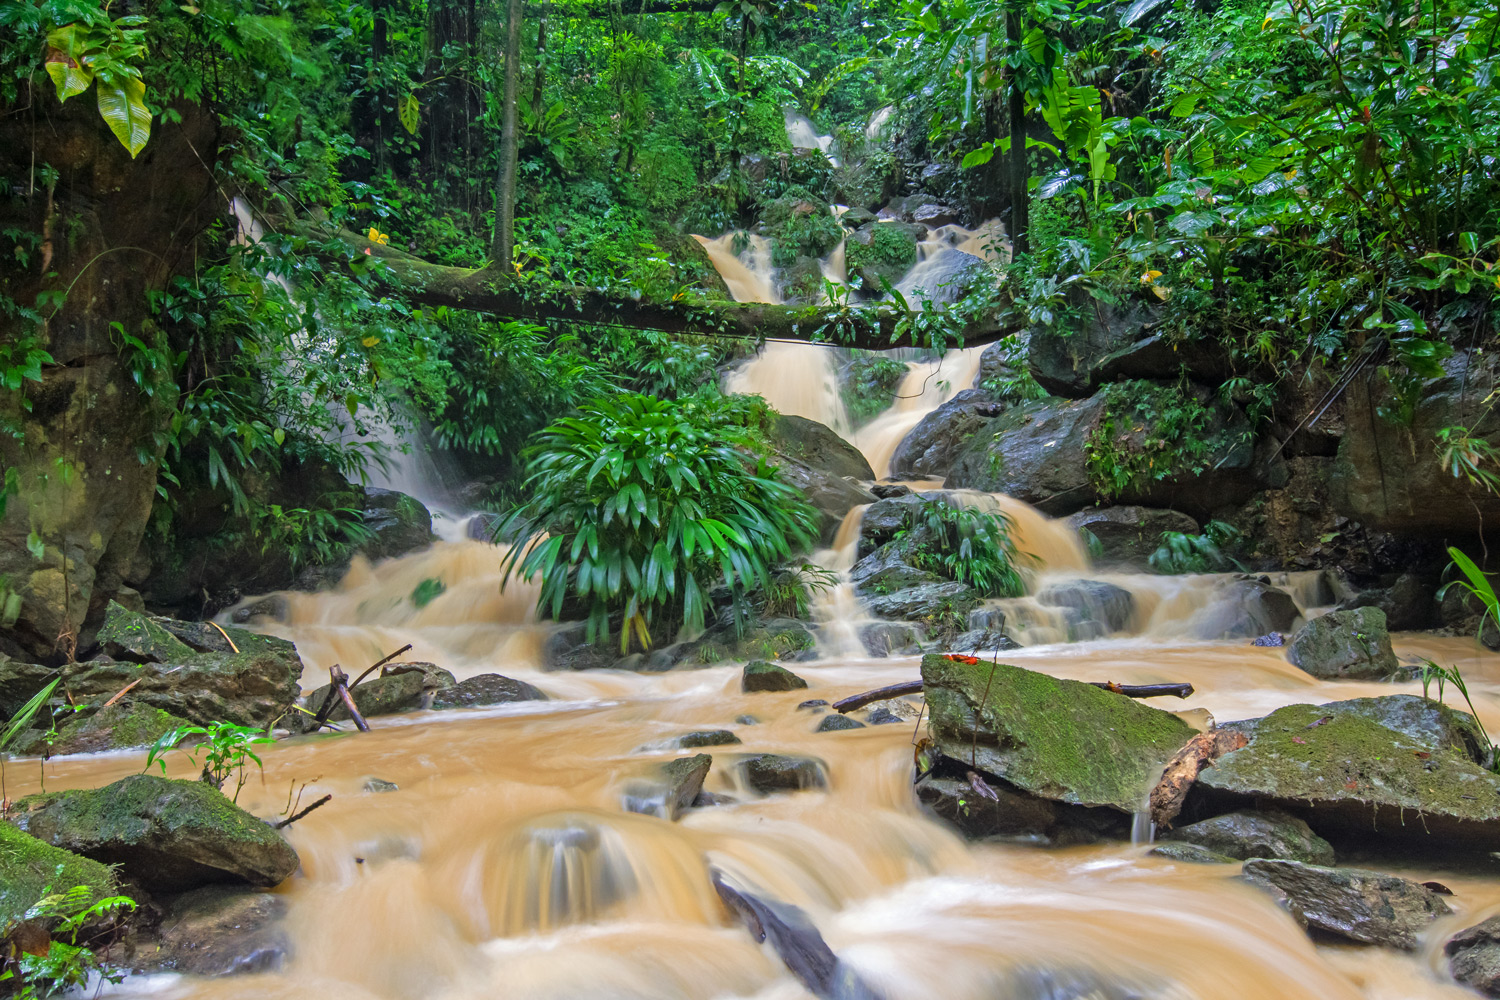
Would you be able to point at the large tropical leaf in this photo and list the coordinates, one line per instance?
(123, 107)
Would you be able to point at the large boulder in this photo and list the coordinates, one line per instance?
(931, 448)
(19, 682)
(1056, 739)
(1130, 534)
(485, 689)
(926, 602)
(404, 687)
(216, 930)
(1430, 723)
(1251, 833)
(1245, 608)
(886, 569)
(125, 725)
(29, 867)
(1110, 606)
(671, 789)
(399, 524)
(1348, 775)
(1065, 362)
(1035, 452)
(165, 835)
(759, 675)
(1361, 906)
(1408, 602)
(1352, 645)
(826, 468)
(1474, 957)
(768, 773)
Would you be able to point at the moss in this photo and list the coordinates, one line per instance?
(128, 810)
(891, 245)
(869, 385)
(29, 867)
(1059, 739)
(130, 634)
(118, 727)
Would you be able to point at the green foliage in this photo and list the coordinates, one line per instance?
(643, 509)
(1149, 432)
(869, 385)
(890, 245)
(790, 591)
(225, 748)
(427, 591)
(1432, 673)
(966, 544)
(65, 966)
(1478, 585)
(1202, 553)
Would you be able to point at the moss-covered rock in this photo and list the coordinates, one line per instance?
(1351, 644)
(122, 726)
(131, 635)
(868, 386)
(1174, 850)
(29, 868)
(1348, 775)
(1474, 956)
(1057, 739)
(759, 675)
(166, 835)
(834, 723)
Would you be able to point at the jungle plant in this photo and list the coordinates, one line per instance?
(966, 544)
(1434, 673)
(44, 964)
(18, 724)
(225, 748)
(643, 509)
(1148, 433)
(1181, 552)
(1478, 584)
(789, 593)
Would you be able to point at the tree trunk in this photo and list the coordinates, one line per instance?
(502, 247)
(1020, 213)
(539, 77)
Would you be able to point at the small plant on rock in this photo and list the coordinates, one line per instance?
(1203, 553)
(973, 547)
(225, 748)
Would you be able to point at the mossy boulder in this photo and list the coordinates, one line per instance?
(140, 638)
(759, 675)
(1056, 739)
(767, 639)
(1431, 723)
(1339, 645)
(399, 524)
(30, 867)
(834, 723)
(485, 689)
(166, 835)
(1252, 833)
(122, 726)
(1348, 775)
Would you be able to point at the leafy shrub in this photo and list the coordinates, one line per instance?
(225, 748)
(971, 546)
(1183, 553)
(63, 967)
(868, 386)
(1150, 432)
(890, 245)
(644, 508)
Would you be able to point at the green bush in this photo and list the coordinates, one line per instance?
(1150, 432)
(971, 546)
(869, 385)
(1204, 553)
(890, 245)
(645, 509)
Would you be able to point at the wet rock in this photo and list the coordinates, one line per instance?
(892, 639)
(1012, 814)
(1434, 725)
(1361, 906)
(218, 931)
(825, 467)
(928, 600)
(1351, 645)
(813, 705)
(890, 491)
(485, 689)
(932, 215)
(987, 618)
(982, 640)
(898, 708)
(1245, 608)
(567, 648)
(1191, 853)
(166, 835)
(391, 694)
(400, 524)
(1057, 739)
(124, 725)
(834, 722)
(1253, 834)
(867, 386)
(1130, 534)
(882, 717)
(759, 675)
(677, 785)
(883, 519)
(767, 639)
(769, 772)
(1346, 774)
(19, 682)
(746, 720)
(29, 867)
(1065, 363)
(1407, 604)
(1276, 639)
(1034, 452)
(1474, 957)
(1105, 603)
(380, 786)
(273, 608)
(706, 738)
(931, 448)
(139, 638)
(886, 569)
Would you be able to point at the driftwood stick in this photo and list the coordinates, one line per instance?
(1182, 771)
(852, 702)
(341, 685)
(324, 710)
(377, 664)
(292, 819)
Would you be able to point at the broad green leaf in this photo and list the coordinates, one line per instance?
(409, 112)
(123, 107)
(71, 78)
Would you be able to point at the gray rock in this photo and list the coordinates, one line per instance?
(380, 786)
(1350, 645)
(882, 717)
(928, 600)
(485, 689)
(834, 722)
(1253, 834)
(1474, 957)
(825, 467)
(892, 639)
(405, 690)
(1245, 608)
(1130, 534)
(1191, 853)
(19, 682)
(217, 931)
(1065, 361)
(931, 448)
(400, 524)
(1434, 725)
(1407, 604)
(813, 705)
(1105, 603)
(1362, 906)
(165, 835)
(677, 785)
(982, 640)
(883, 519)
(706, 738)
(886, 569)
(759, 675)
(769, 772)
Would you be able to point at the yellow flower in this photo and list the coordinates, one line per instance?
(376, 236)
(1149, 278)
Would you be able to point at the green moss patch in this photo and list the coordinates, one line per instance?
(30, 867)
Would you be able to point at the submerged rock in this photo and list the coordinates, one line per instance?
(679, 783)
(834, 722)
(1253, 834)
(770, 772)
(759, 675)
(706, 738)
(1094, 600)
(1175, 850)
(166, 835)
(485, 689)
(1347, 774)
(1057, 739)
(29, 867)
(404, 691)
(1474, 957)
(1345, 644)
(1244, 609)
(1361, 906)
(217, 931)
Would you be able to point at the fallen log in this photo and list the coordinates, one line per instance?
(377, 664)
(849, 704)
(1182, 770)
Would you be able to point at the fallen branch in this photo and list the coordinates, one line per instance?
(122, 692)
(377, 664)
(1182, 770)
(292, 819)
(849, 704)
(321, 719)
(341, 687)
(226, 636)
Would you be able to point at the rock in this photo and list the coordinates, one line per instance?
(485, 689)
(1130, 534)
(766, 773)
(248, 688)
(1270, 639)
(813, 705)
(124, 725)
(867, 386)
(29, 866)
(1206, 360)
(1361, 906)
(1474, 957)
(1105, 603)
(898, 708)
(263, 609)
(885, 518)
(834, 722)
(19, 682)
(680, 782)
(1431, 724)
(566, 649)
(1352, 645)
(1034, 452)
(931, 448)
(825, 467)
(932, 216)
(400, 524)
(706, 738)
(982, 640)
(1191, 853)
(882, 717)
(139, 638)
(379, 786)
(1346, 774)
(218, 931)
(856, 216)
(886, 569)
(1253, 834)
(1056, 739)
(766, 639)
(890, 491)
(1065, 361)
(925, 601)
(1012, 814)
(390, 694)
(167, 836)
(1244, 608)
(759, 675)
(892, 639)
(1407, 604)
